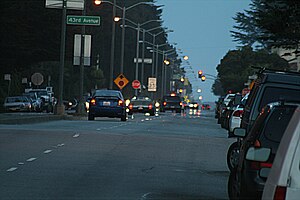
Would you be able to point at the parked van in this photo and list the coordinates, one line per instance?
(283, 182)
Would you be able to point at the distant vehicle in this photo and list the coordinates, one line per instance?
(37, 104)
(194, 105)
(17, 103)
(205, 107)
(248, 179)
(284, 179)
(171, 102)
(107, 103)
(141, 105)
(46, 95)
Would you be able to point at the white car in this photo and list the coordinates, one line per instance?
(236, 117)
(284, 179)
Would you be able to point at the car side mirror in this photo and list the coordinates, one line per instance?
(239, 132)
(258, 154)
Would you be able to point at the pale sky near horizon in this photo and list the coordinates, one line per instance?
(202, 31)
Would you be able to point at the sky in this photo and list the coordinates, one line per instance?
(202, 32)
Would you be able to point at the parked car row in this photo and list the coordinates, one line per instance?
(259, 122)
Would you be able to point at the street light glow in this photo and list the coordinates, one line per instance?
(117, 19)
(97, 2)
(185, 58)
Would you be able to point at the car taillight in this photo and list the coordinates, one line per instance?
(165, 103)
(238, 113)
(130, 106)
(120, 103)
(259, 165)
(93, 102)
(280, 193)
(150, 106)
(180, 103)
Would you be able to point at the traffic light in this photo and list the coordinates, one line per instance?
(203, 78)
(200, 73)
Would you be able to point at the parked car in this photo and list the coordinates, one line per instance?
(227, 112)
(270, 86)
(36, 103)
(283, 182)
(223, 106)
(141, 105)
(171, 102)
(107, 103)
(236, 116)
(17, 103)
(248, 179)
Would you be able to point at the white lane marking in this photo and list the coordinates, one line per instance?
(47, 151)
(76, 135)
(12, 169)
(31, 159)
(142, 120)
(61, 145)
(146, 195)
(21, 163)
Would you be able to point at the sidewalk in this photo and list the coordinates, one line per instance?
(28, 118)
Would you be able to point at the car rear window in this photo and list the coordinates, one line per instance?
(278, 122)
(273, 94)
(140, 102)
(108, 93)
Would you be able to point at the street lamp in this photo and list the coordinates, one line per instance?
(124, 9)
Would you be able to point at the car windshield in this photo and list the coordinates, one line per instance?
(172, 98)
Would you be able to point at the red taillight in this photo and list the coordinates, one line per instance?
(280, 193)
(130, 106)
(150, 106)
(120, 103)
(165, 103)
(257, 144)
(93, 102)
(259, 165)
(238, 113)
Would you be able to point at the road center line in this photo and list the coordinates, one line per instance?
(76, 135)
(47, 151)
(12, 169)
(31, 159)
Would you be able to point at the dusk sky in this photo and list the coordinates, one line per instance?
(202, 31)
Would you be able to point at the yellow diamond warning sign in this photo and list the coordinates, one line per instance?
(121, 81)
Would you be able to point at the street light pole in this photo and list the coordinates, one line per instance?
(112, 49)
(137, 55)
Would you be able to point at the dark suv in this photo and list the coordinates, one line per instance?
(270, 86)
(248, 179)
(171, 102)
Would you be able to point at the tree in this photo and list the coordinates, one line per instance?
(236, 66)
(269, 23)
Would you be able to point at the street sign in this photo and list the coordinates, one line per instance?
(136, 84)
(37, 78)
(83, 20)
(152, 84)
(121, 81)
(71, 5)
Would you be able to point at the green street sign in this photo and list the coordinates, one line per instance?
(83, 20)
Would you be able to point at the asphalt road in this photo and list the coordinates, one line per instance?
(170, 156)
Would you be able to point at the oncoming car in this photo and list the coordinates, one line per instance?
(107, 103)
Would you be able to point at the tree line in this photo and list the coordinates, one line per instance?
(30, 42)
(265, 25)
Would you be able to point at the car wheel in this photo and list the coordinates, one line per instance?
(91, 117)
(233, 155)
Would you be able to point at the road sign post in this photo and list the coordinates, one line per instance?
(136, 84)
